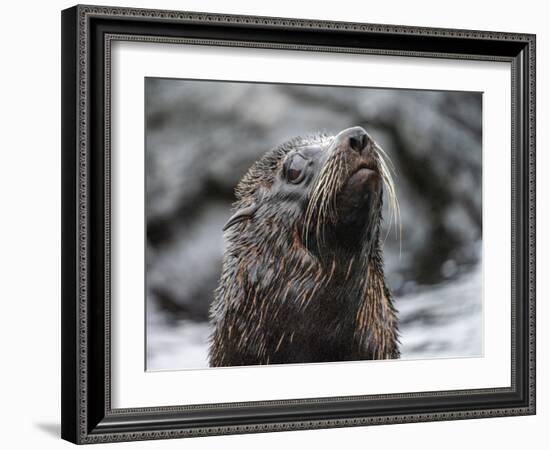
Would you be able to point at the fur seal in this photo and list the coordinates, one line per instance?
(302, 278)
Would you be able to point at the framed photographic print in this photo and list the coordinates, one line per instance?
(281, 224)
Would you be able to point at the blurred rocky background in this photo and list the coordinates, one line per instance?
(202, 136)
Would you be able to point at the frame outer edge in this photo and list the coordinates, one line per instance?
(532, 122)
(69, 264)
(298, 23)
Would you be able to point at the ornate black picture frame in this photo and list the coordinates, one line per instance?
(87, 35)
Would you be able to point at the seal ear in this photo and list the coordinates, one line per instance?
(240, 215)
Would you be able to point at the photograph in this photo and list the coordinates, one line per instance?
(297, 224)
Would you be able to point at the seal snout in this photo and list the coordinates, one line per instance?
(359, 143)
(361, 148)
(354, 138)
(357, 138)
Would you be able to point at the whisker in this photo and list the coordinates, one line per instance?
(393, 203)
(322, 207)
(384, 155)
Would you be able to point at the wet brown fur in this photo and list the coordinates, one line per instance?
(283, 297)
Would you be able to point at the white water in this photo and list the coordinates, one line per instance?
(437, 322)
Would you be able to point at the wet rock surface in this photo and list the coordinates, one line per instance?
(201, 137)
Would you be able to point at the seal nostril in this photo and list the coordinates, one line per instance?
(357, 141)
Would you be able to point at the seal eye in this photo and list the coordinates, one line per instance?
(295, 168)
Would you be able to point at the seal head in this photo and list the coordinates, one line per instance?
(302, 278)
